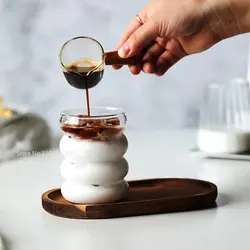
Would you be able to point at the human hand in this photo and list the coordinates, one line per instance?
(172, 29)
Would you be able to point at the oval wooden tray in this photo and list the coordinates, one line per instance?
(152, 196)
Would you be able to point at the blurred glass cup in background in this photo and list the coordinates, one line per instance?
(225, 117)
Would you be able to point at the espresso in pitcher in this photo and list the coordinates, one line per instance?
(78, 76)
(83, 74)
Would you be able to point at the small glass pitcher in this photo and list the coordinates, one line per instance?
(87, 54)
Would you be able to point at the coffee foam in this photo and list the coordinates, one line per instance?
(83, 65)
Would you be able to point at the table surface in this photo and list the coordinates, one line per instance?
(25, 226)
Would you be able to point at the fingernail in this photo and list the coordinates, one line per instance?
(124, 50)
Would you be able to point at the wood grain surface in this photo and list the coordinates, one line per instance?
(151, 196)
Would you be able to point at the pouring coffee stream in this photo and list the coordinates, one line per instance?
(83, 60)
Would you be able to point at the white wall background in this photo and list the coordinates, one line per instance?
(32, 32)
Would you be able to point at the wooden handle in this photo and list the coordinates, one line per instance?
(112, 58)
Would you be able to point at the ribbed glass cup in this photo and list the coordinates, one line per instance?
(225, 117)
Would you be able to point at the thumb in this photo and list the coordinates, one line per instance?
(147, 32)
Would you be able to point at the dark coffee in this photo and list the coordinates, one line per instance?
(79, 75)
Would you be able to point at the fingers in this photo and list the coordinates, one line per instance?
(150, 58)
(117, 66)
(146, 46)
(165, 61)
(136, 41)
(158, 66)
(176, 48)
(135, 69)
(149, 67)
(153, 52)
(174, 52)
(157, 60)
(173, 46)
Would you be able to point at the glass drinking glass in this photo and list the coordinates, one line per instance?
(225, 117)
(93, 147)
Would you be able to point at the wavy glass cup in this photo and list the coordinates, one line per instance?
(93, 147)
